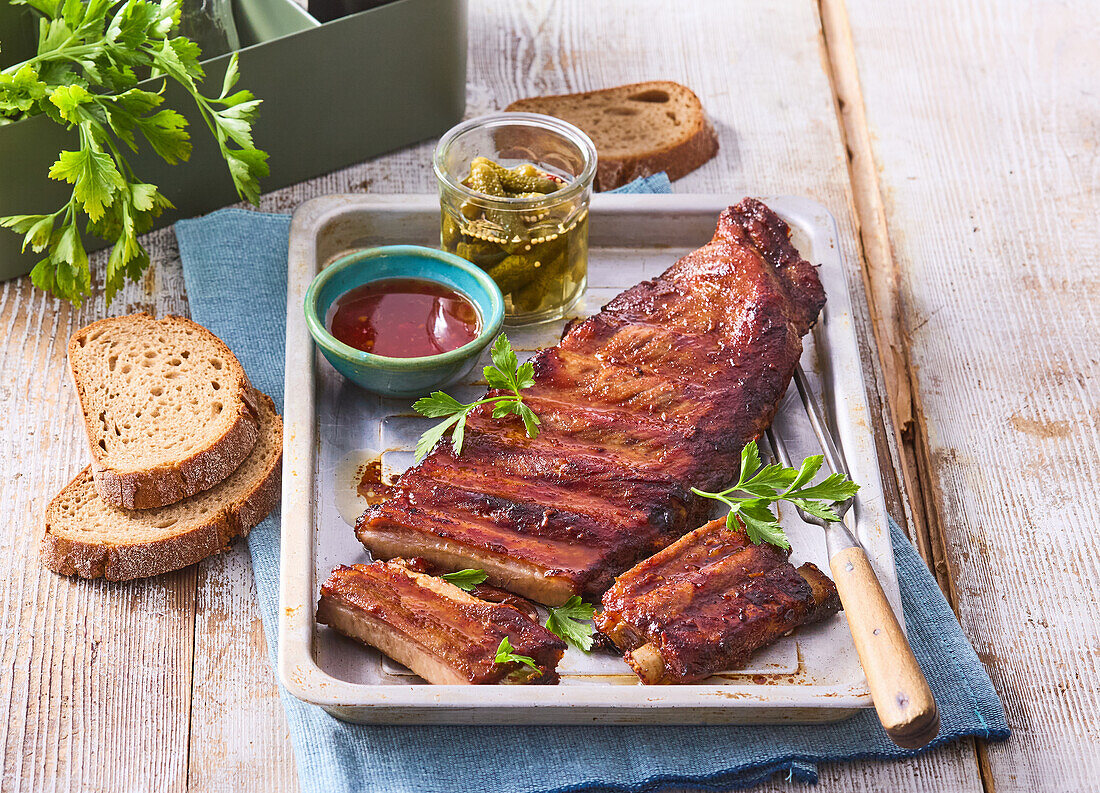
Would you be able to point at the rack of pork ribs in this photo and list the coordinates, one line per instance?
(639, 403)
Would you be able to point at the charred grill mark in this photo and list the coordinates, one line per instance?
(521, 517)
(602, 481)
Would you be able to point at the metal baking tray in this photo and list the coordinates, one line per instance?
(812, 675)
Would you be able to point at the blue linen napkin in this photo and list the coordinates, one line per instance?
(234, 266)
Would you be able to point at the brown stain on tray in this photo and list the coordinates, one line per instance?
(369, 482)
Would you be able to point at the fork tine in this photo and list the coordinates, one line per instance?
(779, 452)
(833, 456)
(778, 448)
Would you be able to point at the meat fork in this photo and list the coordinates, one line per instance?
(902, 698)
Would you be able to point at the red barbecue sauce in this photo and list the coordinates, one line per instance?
(404, 318)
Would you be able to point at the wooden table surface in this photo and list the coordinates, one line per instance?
(958, 145)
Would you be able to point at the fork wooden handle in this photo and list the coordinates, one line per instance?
(901, 695)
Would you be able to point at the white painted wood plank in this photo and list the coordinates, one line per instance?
(96, 677)
(239, 736)
(984, 122)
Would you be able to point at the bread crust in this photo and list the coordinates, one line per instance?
(677, 159)
(125, 562)
(167, 484)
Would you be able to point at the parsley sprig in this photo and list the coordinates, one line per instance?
(505, 655)
(571, 622)
(505, 374)
(466, 579)
(764, 486)
(91, 55)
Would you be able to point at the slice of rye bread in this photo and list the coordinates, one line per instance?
(167, 408)
(638, 129)
(84, 536)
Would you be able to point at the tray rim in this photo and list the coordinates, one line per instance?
(299, 672)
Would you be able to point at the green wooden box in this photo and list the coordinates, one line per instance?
(334, 94)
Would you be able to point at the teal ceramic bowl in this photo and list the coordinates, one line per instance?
(403, 377)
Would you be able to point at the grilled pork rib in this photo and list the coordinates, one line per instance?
(652, 396)
(707, 602)
(443, 634)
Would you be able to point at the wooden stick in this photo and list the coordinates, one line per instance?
(900, 692)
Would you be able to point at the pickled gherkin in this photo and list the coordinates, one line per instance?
(534, 293)
(535, 249)
(450, 235)
(484, 254)
(558, 276)
(512, 273)
(524, 178)
(484, 178)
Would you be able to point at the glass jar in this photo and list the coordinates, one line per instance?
(209, 23)
(535, 245)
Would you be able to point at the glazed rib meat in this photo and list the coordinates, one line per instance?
(431, 626)
(652, 396)
(707, 602)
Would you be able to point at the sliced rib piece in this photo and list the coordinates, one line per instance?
(707, 602)
(440, 632)
(652, 396)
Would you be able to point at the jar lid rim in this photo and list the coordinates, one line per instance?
(575, 135)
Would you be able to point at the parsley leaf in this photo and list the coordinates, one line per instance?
(165, 131)
(437, 405)
(505, 656)
(530, 420)
(571, 622)
(20, 89)
(760, 524)
(430, 438)
(505, 375)
(750, 458)
(769, 484)
(466, 579)
(84, 76)
(835, 487)
(94, 177)
(505, 362)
